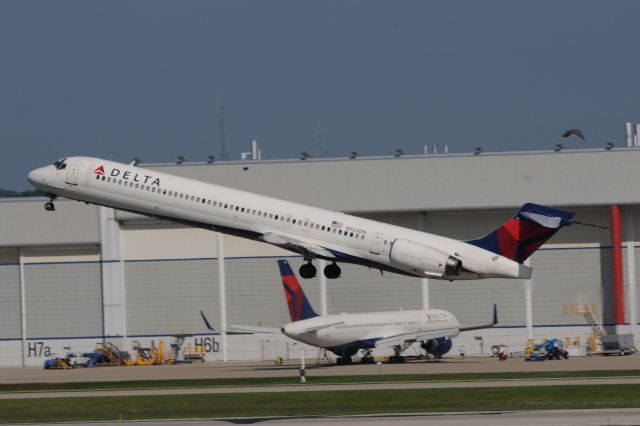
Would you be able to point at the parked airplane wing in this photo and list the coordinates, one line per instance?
(320, 327)
(296, 244)
(419, 336)
(247, 329)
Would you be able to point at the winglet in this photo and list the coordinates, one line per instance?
(206, 322)
(299, 306)
(481, 327)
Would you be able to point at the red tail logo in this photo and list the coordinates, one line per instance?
(99, 170)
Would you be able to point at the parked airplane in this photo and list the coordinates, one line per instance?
(312, 232)
(346, 334)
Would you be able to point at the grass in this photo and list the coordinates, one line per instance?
(312, 403)
(312, 380)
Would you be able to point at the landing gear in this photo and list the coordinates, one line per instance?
(346, 360)
(367, 357)
(48, 206)
(308, 270)
(332, 271)
(396, 359)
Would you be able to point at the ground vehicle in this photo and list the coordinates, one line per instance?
(78, 359)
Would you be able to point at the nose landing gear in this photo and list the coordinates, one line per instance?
(49, 206)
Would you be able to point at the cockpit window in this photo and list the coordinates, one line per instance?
(60, 164)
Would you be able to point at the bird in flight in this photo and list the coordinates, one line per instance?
(576, 132)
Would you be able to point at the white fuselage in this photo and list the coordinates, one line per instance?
(330, 331)
(311, 231)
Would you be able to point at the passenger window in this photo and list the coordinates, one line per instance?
(153, 189)
(294, 221)
(351, 235)
(148, 188)
(204, 201)
(103, 178)
(334, 230)
(288, 219)
(242, 210)
(209, 202)
(193, 198)
(226, 205)
(131, 184)
(323, 227)
(198, 199)
(215, 203)
(97, 177)
(164, 192)
(237, 208)
(170, 193)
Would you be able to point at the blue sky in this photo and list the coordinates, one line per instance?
(119, 79)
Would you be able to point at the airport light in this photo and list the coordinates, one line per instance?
(477, 150)
(609, 146)
(398, 152)
(353, 155)
(305, 155)
(179, 159)
(210, 159)
(559, 147)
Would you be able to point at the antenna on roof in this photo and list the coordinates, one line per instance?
(223, 143)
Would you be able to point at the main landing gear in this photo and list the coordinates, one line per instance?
(331, 271)
(48, 206)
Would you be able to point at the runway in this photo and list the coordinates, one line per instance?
(212, 370)
(533, 418)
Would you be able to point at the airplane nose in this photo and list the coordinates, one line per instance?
(36, 177)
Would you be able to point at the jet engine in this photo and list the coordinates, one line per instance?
(437, 347)
(417, 259)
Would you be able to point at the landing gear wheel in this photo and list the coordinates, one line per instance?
(332, 271)
(308, 270)
(48, 206)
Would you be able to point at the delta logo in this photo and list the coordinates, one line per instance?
(129, 176)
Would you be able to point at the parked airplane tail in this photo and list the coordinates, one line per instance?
(299, 306)
(523, 234)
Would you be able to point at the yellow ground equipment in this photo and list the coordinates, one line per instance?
(152, 355)
(588, 310)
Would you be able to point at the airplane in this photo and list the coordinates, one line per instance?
(347, 334)
(312, 232)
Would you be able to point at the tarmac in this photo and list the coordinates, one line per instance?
(212, 370)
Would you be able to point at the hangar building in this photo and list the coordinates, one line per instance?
(84, 274)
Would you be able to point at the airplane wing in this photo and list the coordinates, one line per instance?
(247, 329)
(419, 336)
(296, 244)
(320, 327)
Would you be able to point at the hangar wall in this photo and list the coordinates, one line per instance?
(170, 271)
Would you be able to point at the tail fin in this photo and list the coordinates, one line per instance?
(523, 234)
(299, 306)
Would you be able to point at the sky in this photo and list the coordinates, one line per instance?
(123, 79)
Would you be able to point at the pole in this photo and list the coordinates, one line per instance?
(23, 310)
(616, 252)
(631, 275)
(222, 292)
(425, 281)
(528, 301)
(303, 378)
(323, 287)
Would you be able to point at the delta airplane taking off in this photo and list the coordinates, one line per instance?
(346, 334)
(310, 231)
